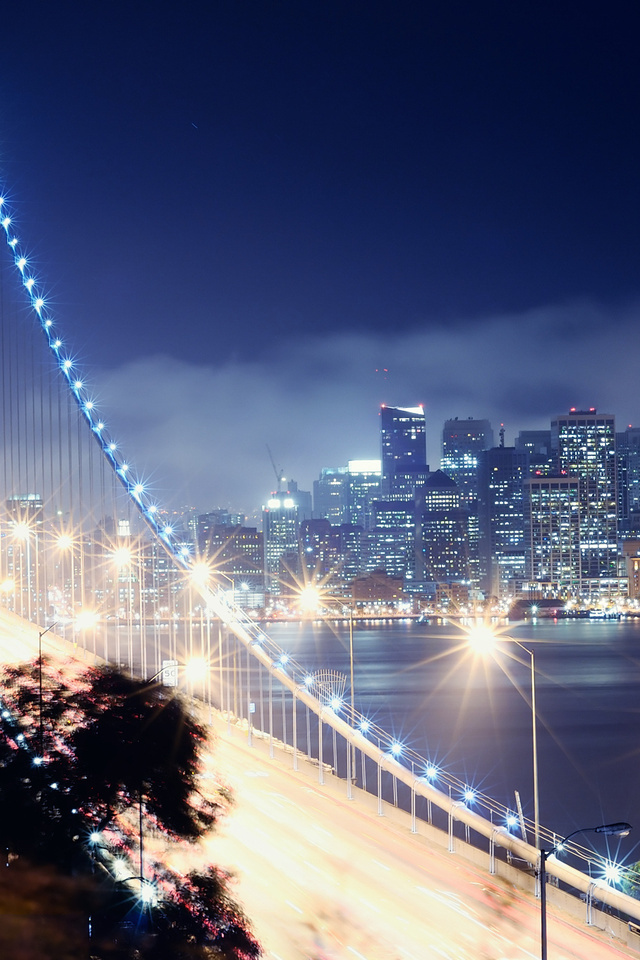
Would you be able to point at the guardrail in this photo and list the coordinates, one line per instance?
(419, 774)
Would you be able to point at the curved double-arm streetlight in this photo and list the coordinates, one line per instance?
(483, 638)
(608, 829)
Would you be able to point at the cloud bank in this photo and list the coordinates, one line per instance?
(200, 431)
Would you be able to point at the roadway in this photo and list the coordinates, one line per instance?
(325, 878)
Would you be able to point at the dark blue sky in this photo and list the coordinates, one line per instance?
(238, 186)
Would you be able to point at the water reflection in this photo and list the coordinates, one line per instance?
(415, 681)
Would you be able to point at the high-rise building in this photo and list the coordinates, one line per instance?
(552, 523)
(363, 487)
(502, 547)
(391, 541)
(585, 444)
(628, 475)
(319, 555)
(280, 527)
(350, 553)
(537, 443)
(330, 495)
(403, 448)
(442, 545)
(462, 443)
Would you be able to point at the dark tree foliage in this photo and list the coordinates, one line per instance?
(119, 756)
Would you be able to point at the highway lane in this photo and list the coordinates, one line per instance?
(325, 878)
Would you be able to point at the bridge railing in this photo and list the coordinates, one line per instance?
(479, 813)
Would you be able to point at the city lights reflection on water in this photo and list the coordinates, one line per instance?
(476, 723)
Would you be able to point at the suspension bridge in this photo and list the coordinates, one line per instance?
(89, 553)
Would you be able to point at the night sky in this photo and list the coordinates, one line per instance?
(259, 220)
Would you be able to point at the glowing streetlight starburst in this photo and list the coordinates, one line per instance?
(122, 556)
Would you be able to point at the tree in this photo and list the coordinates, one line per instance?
(121, 760)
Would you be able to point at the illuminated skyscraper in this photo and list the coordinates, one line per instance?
(585, 444)
(502, 472)
(391, 541)
(552, 520)
(280, 527)
(441, 532)
(628, 461)
(403, 448)
(462, 443)
(330, 495)
(363, 487)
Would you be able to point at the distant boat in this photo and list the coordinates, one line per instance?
(603, 615)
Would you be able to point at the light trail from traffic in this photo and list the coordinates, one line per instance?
(323, 878)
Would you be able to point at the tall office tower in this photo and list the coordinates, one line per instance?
(537, 443)
(391, 541)
(628, 475)
(502, 545)
(403, 446)
(350, 554)
(319, 555)
(330, 495)
(462, 443)
(204, 523)
(280, 526)
(552, 521)
(585, 443)
(442, 543)
(236, 558)
(363, 487)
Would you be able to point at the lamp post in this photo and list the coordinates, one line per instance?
(41, 634)
(608, 829)
(481, 638)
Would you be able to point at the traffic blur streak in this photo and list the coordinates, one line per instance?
(325, 878)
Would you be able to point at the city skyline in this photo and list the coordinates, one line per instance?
(256, 224)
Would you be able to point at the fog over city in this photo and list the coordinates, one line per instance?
(315, 401)
(256, 222)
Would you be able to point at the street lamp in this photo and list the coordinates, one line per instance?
(608, 829)
(482, 638)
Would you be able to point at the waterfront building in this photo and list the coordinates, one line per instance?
(442, 544)
(462, 443)
(391, 541)
(377, 589)
(585, 445)
(631, 557)
(628, 477)
(502, 544)
(552, 523)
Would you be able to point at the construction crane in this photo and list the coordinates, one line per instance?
(280, 477)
